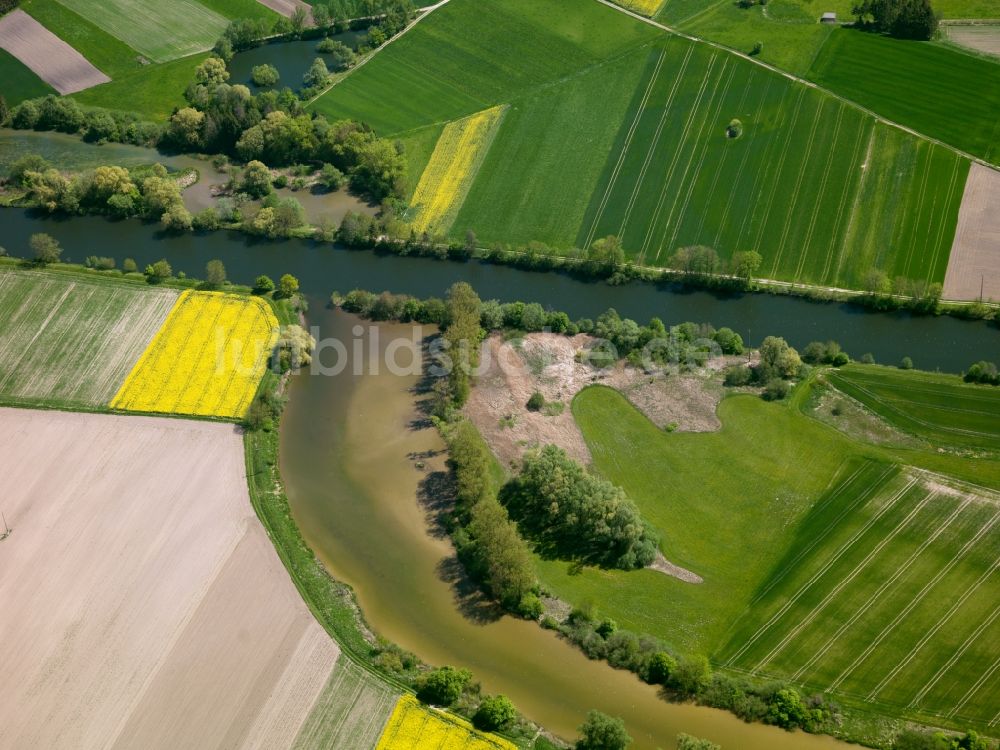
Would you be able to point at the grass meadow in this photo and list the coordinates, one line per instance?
(71, 342)
(889, 597)
(163, 32)
(625, 134)
(848, 568)
(19, 81)
(938, 408)
(152, 92)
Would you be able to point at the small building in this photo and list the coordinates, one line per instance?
(828, 18)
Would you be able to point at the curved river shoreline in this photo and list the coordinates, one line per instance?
(350, 446)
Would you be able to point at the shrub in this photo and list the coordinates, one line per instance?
(687, 742)
(775, 390)
(442, 687)
(906, 363)
(536, 401)
(603, 732)
(982, 372)
(263, 284)
(691, 675)
(737, 375)
(660, 668)
(206, 220)
(287, 285)
(45, 248)
(158, 271)
(129, 265)
(495, 712)
(867, 358)
(264, 75)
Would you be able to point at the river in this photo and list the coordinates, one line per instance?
(350, 446)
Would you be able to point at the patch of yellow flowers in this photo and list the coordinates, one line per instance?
(207, 359)
(413, 727)
(449, 174)
(645, 7)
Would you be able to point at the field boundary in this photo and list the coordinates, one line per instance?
(797, 79)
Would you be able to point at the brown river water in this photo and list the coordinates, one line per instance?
(351, 446)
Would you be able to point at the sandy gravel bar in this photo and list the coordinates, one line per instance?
(52, 60)
(143, 604)
(974, 263)
(287, 7)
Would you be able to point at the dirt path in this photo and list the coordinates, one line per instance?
(974, 263)
(52, 60)
(144, 605)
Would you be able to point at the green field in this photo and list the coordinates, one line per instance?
(827, 561)
(19, 82)
(152, 92)
(938, 408)
(105, 52)
(71, 341)
(635, 145)
(889, 597)
(241, 9)
(469, 56)
(963, 110)
(162, 32)
(351, 711)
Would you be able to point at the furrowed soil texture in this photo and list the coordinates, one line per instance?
(54, 61)
(637, 144)
(974, 264)
(67, 341)
(939, 408)
(821, 190)
(208, 358)
(144, 605)
(892, 599)
(459, 152)
(414, 727)
(162, 31)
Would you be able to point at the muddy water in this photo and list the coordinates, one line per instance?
(350, 452)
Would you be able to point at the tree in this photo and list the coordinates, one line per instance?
(129, 265)
(185, 127)
(603, 732)
(442, 687)
(256, 180)
(211, 72)
(177, 218)
(745, 264)
(263, 285)
(27, 163)
(287, 285)
(691, 675)
(786, 709)
(687, 742)
(317, 75)
(341, 56)
(907, 19)
(206, 220)
(495, 712)
(159, 271)
(264, 75)
(661, 666)
(215, 273)
(606, 254)
(331, 178)
(45, 248)
(778, 357)
(906, 364)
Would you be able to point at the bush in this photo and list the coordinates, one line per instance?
(287, 285)
(45, 248)
(442, 687)
(687, 742)
(264, 75)
(129, 265)
(158, 271)
(536, 402)
(906, 364)
(263, 284)
(603, 732)
(660, 668)
(691, 675)
(737, 375)
(982, 372)
(495, 712)
(775, 390)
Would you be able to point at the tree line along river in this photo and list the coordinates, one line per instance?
(349, 444)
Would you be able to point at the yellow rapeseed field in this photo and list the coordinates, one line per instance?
(645, 7)
(207, 359)
(449, 174)
(413, 727)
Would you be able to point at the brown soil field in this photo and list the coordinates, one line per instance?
(974, 264)
(287, 7)
(52, 60)
(143, 603)
(546, 362)
(982, 38)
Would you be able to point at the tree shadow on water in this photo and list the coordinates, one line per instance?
(470, 600)
(436, 495)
